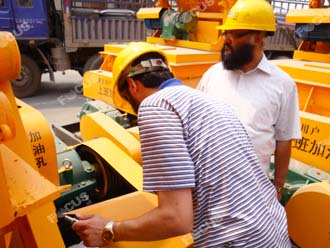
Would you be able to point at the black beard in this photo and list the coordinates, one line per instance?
(238, 57)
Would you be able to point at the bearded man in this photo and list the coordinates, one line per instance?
(264, 96)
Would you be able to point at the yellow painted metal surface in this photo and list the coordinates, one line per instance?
(311, 56)
(26, 196)
(203, 6)
(97, 85)
(120, 208)
(214, 46)
(7, 209)
(10, 59)
(309, 216)
(305, 70)
(118, 160)
(148, 13)
(206, 37)
(134, 131)
(313, 16)
(10, 67)
(28, 193)
(26, 187)
(205, 33)
(312, 80)
(314, 147)
(41, 141)
(43, 223)
(186, 64)
(175, 55)
(314, 98)
(97, 125)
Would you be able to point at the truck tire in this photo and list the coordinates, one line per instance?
(29, 80)
(93, 63)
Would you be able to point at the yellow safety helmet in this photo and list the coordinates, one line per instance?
(120, 70)
(250, 15)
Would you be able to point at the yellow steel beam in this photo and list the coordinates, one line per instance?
(120, 208)
(303, 70)
(311, 56)
(97, 125)
(148, 13)
(311, 16)
(216, 46)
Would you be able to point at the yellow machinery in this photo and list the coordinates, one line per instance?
(26, 195)
(191, 50)
(29, 174)
(191, 42)
(110, 152)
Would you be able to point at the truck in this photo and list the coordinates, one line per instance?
(57, 36)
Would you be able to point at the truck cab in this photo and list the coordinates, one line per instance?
(27, 19)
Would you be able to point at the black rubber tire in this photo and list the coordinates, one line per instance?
(93, 63)
(29, 80)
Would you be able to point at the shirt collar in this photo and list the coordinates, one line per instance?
(169, 82)
(263, 66)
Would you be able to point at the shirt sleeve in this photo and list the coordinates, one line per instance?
(288, 124)
(167, 164)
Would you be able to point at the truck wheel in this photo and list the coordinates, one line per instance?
(93, 63)
(29, 80)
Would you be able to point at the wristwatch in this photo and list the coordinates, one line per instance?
(108, 234)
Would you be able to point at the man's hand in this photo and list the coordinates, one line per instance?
(279, 195)
(90, 228)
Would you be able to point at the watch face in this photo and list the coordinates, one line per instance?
(107, 235)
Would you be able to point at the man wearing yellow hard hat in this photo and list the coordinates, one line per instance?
(264, 97)
(196, 157)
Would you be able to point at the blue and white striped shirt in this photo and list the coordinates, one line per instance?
(190, 140)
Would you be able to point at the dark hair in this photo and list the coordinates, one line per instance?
(155, 78)
(270, 33)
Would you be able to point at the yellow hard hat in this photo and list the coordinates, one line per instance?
(119, 70)
(250, 15)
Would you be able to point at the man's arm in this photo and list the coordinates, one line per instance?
(282, 159)
(172, 217)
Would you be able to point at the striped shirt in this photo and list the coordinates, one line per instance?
(190, 140)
